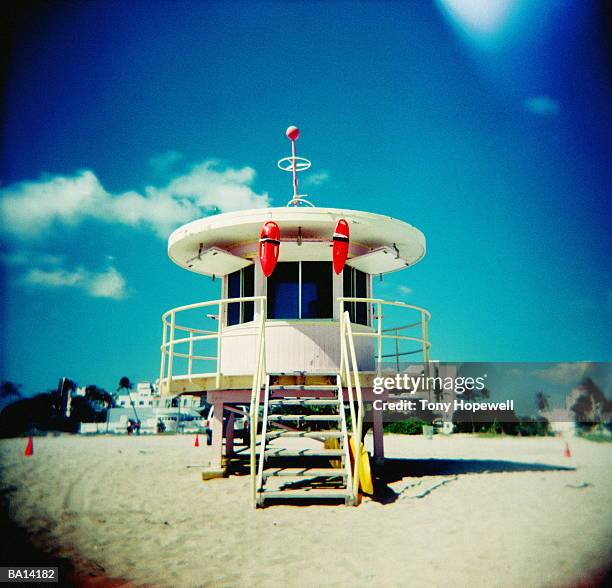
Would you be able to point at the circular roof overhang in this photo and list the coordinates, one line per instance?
(306, 234)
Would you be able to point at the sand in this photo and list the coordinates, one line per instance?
(133, 509)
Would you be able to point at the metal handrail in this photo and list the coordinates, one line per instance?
(171, 328)
(258, 380)
(387, 302)
(350, 371)
(170, 342)
(392, 333)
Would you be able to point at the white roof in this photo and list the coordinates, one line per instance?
(238, 234)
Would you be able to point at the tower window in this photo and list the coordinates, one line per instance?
(301, 290)
(355, 285)
(241, 284)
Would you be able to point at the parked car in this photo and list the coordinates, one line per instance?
(241, 425)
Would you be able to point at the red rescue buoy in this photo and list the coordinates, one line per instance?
(269, 246)
(341, 245)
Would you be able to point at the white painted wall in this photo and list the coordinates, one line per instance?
(292, 346)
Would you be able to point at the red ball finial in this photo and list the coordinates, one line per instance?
(292, 133)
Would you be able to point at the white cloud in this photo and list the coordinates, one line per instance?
(108, 284)
(315, 179)
(542, 105)
(404, 290)
(30, 208)
(105, 284)
(563, 373)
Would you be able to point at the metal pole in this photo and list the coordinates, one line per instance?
(379, 332)
(190, 359)
(358, 429)
(425, 337)
(397, 366)
(163, 355)
(294, 170)
(222, 306)
(170, 354)
(255, 393)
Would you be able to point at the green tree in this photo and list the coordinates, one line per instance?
(474, 395)
(542, 401)
(10, 390)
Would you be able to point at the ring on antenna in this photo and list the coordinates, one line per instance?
(301, 164)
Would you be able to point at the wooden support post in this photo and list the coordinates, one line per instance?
(217, 434)
(229, 434)
(377, 429)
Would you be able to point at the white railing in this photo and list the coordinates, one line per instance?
(188, 343)
(349, 369)
(183, 346)
(350, 374)
(418, 340)
(259, 376)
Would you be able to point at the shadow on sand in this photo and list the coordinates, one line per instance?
(18, 549)
(395, 470)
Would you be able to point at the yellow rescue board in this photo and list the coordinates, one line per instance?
(365, 474)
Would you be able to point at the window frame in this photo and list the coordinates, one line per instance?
(352, 306)
(242, 305)
(300, 273)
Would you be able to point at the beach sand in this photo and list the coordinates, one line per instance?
(134, 509)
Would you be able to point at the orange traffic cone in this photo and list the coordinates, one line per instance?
(567, 451)
(29, 450)
(197, 441)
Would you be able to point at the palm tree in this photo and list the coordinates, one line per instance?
(542, 401)
(473, 395)
(126, 384)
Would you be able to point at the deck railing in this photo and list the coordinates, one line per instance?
(187, 341)
(389, 339)
(180, 340)
(182, 347)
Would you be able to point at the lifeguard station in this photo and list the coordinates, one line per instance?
(295, 351)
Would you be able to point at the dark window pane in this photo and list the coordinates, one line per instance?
(283, 291)
(361, 291)
(317, 291)
(233, 291)
(355, 285)
(347, 290)
(248, 289)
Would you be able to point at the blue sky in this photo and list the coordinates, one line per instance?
(489, 131)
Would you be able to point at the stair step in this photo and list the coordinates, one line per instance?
(304, 417)
(304, 402)
(309, 494)
(304, 387)
(305, 473)
(310, 434)
(306, 452)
